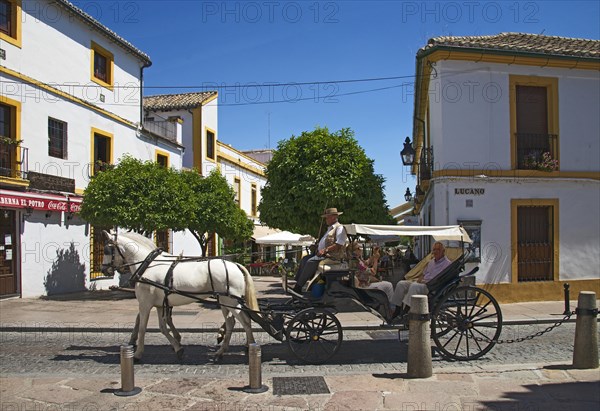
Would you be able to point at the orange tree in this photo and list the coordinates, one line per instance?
(317, 170)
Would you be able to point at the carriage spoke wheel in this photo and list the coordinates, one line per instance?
(466, 323)
(314, 335)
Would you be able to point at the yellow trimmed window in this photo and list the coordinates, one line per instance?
(210, 144)
(254, 209)
(10, 22)
(162, 159)
(102, 66)
(534, 122)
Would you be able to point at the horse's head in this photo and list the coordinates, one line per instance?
(113, 256)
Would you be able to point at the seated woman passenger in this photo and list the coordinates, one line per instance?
(367, 270)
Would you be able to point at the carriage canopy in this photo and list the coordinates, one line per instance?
(392, 232)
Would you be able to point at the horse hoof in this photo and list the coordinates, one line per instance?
(179, 354)
(216, 359)
(219, 339)
(137, 360)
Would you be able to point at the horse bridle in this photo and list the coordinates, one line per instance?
(140, 270)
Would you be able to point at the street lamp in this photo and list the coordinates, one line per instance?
(408, 195)
(408, 153)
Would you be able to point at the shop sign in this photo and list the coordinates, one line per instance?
(38, 203)
(469, 191)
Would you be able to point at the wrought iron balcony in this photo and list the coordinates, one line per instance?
(426, 164)
(14, 160)
(531, 147)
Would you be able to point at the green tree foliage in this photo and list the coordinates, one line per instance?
(144, 196)
(317, 170)
(137, 195)
(215, 210)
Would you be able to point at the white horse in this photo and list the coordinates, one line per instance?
(229, 280)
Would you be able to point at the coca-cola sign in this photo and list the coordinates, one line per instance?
(72, 205)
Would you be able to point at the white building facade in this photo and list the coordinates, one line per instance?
(507, 143)
(198, 115)
(70, 100)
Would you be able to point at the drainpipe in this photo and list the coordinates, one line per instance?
(145, 65)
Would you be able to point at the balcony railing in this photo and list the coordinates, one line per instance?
(166, 129)
(426, 163)
(531, 147)
(14, 160)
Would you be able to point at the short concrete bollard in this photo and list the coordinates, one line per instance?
(419, 342)
(128, 387)
(254, 365)
(585, 352)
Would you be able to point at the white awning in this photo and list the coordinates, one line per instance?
(439, 233)
(286, 238)
(263, 231)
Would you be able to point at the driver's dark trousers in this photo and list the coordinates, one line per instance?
(306, 272)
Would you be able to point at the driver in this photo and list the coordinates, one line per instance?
(332, 245)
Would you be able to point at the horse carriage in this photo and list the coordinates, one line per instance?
(465, 320)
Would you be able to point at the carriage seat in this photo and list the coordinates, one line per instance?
(417, 271)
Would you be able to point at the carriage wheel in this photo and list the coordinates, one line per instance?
(466, 323)
(314, 335)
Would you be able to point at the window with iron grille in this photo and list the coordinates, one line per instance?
(535, 243)
(57, 138)
(6, 23)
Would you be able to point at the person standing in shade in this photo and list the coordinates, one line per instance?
(332, 245)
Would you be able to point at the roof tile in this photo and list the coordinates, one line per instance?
(165, 102)
(520, 43)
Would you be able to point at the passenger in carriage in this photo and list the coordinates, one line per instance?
(332, 245)
(406, 289)
(367, 272)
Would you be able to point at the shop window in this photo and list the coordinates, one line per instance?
(473, 228)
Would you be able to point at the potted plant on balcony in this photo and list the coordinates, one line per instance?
(547, 163)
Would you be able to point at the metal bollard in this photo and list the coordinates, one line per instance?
(128, 387)
(567, 300)
(419, 342)
(254, 365)
(585, 350)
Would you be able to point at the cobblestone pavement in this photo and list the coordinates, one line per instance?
(78, 352)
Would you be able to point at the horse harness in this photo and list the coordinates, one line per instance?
(168, 287)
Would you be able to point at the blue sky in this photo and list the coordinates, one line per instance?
(239, 45)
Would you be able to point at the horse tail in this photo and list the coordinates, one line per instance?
(250, 292)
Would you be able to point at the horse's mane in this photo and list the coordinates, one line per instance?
(138, 238)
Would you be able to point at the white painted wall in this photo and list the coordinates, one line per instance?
(64, 60)
(470, 118)
(579, 202)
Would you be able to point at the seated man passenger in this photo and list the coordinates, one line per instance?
(406, 289)
(331, 245)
